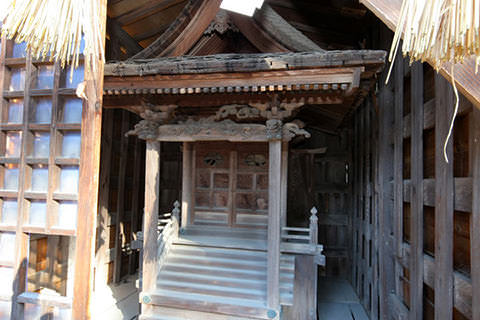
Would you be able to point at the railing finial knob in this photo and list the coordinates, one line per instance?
(314, 211)
(176, 209)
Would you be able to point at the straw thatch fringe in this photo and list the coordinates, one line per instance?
(438, 31)
(53, 28)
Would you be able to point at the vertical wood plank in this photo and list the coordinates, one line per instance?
(187, 176)
(284, 183)
(416, 219)
(88, 183)
(136, 211)
(475, 218)
(355, 204)
(22, 240)
(119, 214)
(385, 201)
(103, 219)
(274, 223)
(398, 171)
(375, 262)
(150, 232)
(444, 197)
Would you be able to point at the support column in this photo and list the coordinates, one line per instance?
(284, 183)
(186, 183)
(150, 222)
(274, 128)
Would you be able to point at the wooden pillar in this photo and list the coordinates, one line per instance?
(88, 183)
(274, 215)
(475, 218)
(416, 216)
(150, 221)
(187, 184)
(444, 189)
(284, 183)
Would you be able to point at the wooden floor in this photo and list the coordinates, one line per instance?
(237, 238)
(338, 301)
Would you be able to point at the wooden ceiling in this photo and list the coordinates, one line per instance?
(304, 25)
(140, 30)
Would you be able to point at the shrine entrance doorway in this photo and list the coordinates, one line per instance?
(230, 185)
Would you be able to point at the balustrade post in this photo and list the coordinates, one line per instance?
(314, 226)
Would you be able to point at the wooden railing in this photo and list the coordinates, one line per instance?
(303, 240)
(168, 233)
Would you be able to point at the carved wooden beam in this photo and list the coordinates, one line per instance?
(207, 129)
(184, 32)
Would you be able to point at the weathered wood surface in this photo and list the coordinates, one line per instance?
(444, 200)
(475, 218)
(340, 78)
(187, 183)
(261, 39)
(305, 290)
(274, 223)
(88, 183)
(462, 287)
(467, 81)
(270, 21)
(246, 63)
(463, 193)
(179, 29)
(416, 220)
(150, 222)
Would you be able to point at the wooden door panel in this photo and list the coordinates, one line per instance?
(231, 184)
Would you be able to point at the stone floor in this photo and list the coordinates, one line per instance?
(338, 301)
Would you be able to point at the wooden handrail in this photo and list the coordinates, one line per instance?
(168, 235)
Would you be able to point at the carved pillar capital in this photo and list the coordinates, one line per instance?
(274, 129)
(147, 129)
(293, 129)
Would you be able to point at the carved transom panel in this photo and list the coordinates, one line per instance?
(213, 159)
(256, 160)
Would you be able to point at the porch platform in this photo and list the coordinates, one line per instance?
(224, 237)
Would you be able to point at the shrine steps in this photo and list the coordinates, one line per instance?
(202, 282)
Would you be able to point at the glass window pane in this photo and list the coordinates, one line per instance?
(40, 179)
(5, 310)
(72, 111)
(19, 50)
(42, 111)
(44, 77)
(7, 246)
(38, 213)
(41, 145)
(9, 212)
(10, 178)
(75, 80)
(15, 111)
(69, 180)
(6, 274)
(13, 144)
(71, 145)
(17, 79)
(67, 215)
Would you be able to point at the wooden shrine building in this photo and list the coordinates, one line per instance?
(220, 166)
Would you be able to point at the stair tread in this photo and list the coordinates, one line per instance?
(214, 277)
(211, 287)
(206, 298)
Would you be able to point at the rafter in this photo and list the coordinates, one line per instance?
(269, 20)
(116, 31)
(256, 35)
(184, 32)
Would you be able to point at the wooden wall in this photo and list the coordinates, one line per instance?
(121, 197)
(415, 229)
(323, 180)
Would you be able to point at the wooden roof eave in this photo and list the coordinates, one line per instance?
(467, 81)
(312, 77)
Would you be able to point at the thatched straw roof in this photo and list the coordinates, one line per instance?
(56, 28)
